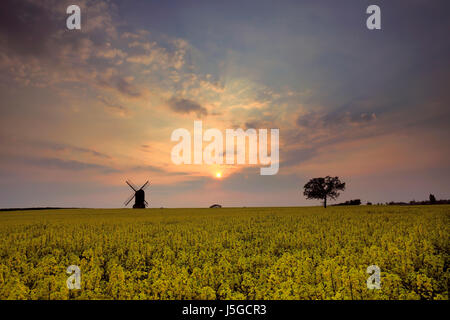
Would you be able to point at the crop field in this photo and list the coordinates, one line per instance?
(228, 253)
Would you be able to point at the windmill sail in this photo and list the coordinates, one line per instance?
(138, 195)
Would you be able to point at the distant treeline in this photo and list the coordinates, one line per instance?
(38, 208)
(355, 202)
(413, 202)
(432, 200)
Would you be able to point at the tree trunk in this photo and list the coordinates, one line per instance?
(325, 202)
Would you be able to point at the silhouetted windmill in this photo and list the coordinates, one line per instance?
(138, 195)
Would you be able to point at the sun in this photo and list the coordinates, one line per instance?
(218, 175)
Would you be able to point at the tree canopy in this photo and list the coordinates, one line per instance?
(323, 188)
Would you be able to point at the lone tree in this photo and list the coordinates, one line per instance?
(323, 188)
(432, 199)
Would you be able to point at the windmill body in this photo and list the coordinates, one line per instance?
(138, 195)
(139, 199)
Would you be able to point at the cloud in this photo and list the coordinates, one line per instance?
(111, 80)
(151, 53)
(298, 155)
(125, 86)
(37, 49)
(156, 169)
(40, 146)
(147, 53)
(66, 147)
(25, 27)
(114, 108)
(148, 168)
(313, 133)
(110, 53)
(69, 165)
(186, 106)
(332, 119)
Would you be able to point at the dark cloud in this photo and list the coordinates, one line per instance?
(296, 156)
(37, 29)
(38, 49)
(26, 27)
(254, 124)
(114, 107)
(127, 88)
(120, 84)
(363, 117)
(316, 131)
(333, 119)
(265, 122)
(181, 105)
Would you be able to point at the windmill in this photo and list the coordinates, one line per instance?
(138, 195)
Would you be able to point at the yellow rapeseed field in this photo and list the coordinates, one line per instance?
(228, 253)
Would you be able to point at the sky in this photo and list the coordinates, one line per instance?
(83, 110)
